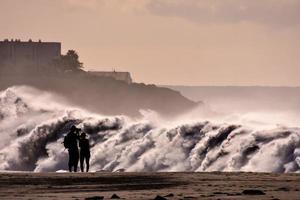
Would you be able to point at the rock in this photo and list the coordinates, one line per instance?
(114, 196)
(253, 192)
(95, 198)
(169, 195)
(159, 198)
(220, 193)
(283, 189)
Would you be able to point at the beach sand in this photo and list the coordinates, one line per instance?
(214, 185)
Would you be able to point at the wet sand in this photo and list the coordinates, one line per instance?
(135, 186)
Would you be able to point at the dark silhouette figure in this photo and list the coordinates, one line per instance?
(84, 152)
(70, 142)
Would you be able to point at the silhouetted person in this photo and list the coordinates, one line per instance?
(84, 152)
(70, 142)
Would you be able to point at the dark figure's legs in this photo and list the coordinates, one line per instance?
(70, 164)
(73, 160)
(81, 162)
(84, 157)
(76, 159)
(87, 161)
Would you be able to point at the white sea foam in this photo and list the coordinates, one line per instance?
(33, 124)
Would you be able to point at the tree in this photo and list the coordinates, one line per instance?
(69, 62)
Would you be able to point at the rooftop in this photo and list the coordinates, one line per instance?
(29, 41)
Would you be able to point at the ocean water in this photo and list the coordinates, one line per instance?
(33, 124)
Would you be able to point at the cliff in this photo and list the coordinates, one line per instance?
(41, 65)
(105, 95)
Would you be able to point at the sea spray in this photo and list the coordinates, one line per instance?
(33, 124)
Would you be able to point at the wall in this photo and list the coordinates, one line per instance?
(121, 76)
(21, 56)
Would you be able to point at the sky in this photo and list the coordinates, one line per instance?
(169, 42)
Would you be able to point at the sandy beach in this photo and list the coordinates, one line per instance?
(132, 186)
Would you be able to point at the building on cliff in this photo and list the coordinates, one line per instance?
(23, 58)
(120, 76)
(22, 54)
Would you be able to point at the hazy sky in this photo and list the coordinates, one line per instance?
(178, 42)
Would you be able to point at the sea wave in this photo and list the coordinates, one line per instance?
(33, 124)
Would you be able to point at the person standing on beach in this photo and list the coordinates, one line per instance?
(70, 142)
(84, 152)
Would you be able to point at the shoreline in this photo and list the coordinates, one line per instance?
(131, 185)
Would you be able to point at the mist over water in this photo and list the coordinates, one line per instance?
(33, 124)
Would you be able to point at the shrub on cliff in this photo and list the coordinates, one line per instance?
(69, 62)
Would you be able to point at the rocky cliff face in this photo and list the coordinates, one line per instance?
(105, 95)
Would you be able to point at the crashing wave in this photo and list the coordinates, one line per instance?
(32, 132)
(11, 105)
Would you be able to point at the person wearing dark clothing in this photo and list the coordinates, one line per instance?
(84, 152)
(70, 142)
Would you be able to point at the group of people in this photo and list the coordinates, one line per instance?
(71, 141)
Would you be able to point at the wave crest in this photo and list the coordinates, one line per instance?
(32, 141)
